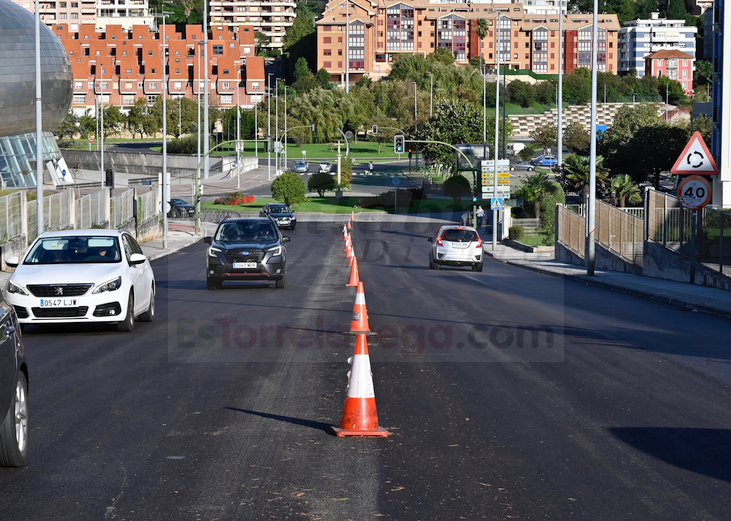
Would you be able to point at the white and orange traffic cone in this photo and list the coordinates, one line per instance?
(360, 417)
(351, 255)
(347, 244)
(352, 215)
(359, 323)
(349, 227)
(345, 231)
(354, 278)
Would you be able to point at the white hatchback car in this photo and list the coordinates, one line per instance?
(456, 246)
(82, 276)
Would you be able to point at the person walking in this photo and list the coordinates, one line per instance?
(480, 217)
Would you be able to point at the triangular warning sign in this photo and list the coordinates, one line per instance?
(695, 159)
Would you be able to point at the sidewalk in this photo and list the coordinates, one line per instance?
(691, 296)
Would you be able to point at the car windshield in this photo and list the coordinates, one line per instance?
(459, 235)
(246, 232)
(178, 201)
(74, 250)
(278, 209)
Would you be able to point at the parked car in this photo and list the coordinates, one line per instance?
(281, 214)
(545, 161)
(13, 390)
(181, 208)
(98, 276)
(301, 166)
(249, 248)
(456, 246)
(521, 165)
(326, 168)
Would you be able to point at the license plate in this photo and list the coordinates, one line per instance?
(244, 265)
(58, 302)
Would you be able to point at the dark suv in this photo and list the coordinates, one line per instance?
(246, 249)
(281, 213)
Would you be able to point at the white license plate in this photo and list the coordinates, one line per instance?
(244, 265)
(58, 303)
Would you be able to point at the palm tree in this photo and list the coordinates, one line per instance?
(625, 189)
(535, 188)
(577, 169)
(482, 29)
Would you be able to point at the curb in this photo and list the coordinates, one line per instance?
(675, 301)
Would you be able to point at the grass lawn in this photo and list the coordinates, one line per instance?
(535, 240)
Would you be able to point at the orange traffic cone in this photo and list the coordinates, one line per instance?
(359, 324)
(345, 230)
(349, 227)
(354, 279)
(347, 244)
(352, 215)
(351, 255)
(360, 417)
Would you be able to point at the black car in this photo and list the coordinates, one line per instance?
(281, 213)
(246, 249)
(13, 390)
(180, 208)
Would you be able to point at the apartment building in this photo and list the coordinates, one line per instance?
(269, 17)
(676, 65)
(638, 38)
(377, 34)
(119, 66)
(94, 12)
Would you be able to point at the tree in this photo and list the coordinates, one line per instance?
(136, 117)
(528, 151)
(629, 120)
(482, 29)
(320, 183)
(534, 189)
(577, 86)
(69, 127)
(289, 188)
(457, 187)
(113, 120)
(443, 55)
(624, 189)
(576, 138)
(301, 69)
(676, 10)
(261, 42)
(545, 136)
(521, 93)
(577, 169)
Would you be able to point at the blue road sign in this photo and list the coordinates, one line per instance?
(396, 181)
(497, 203)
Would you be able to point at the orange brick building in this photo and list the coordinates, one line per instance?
(126, 65)
(381, 31)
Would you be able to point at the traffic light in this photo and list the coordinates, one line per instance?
(398, 144)
(375, 129)
(109, 178)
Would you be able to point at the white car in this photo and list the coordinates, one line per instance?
(456, 246)
(325, 167)
(82, 276)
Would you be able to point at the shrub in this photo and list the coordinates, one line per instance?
(515, 233)
(289, 188)
(548, 203)
(320, 183)
(457, 187)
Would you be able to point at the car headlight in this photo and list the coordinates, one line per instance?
(14, 288)
(275, 251)
(212, 251)
(112, 285)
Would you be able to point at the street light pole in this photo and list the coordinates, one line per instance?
(347, 46)
(416, 127)
(206, 139)
(269, 126)
(165, 181)
(494, 155)
(590, 252)
(285, 125)
(560, 83)
(101, 130)
(238, 129)
(276, 126)
(39, 123)
(431, 95)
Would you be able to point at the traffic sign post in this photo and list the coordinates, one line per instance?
(695, 159)
(91, 140)
(395, 181)
(694, 192)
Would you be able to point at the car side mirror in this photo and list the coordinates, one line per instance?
(286, 238)
(13, 261)
(430, 239)
(208, 240)
(137, 258)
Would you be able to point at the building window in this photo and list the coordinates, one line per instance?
(79, 99)
(326, 39)
(226, 85)
(227, 99)
(327, 52)
(327, 65)
(218, 50)
(153, 84)
(254, 86)
(151, 99)
(78, 85)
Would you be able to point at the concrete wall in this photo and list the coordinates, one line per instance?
(662, 263)
(179, 165)
(603, 260)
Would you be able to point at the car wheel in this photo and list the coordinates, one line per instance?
(292, 227)
(128, 324)
(14, 430)
(213, 283)
(477, 267)
(149, 315)
(281, 283)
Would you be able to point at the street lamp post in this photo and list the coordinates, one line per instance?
(39, 122)
(269, 126)
(165, 182)
(276, 126)
(238, 129)
(206, 139)
(101, 130)
(494, 155)
(431, 95)
(347, 46)
(560, 83)
(416, 127)
(590, 253)
(285, 125)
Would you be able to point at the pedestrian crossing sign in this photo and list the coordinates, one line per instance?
(497, 203)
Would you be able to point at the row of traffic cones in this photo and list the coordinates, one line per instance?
(359, 412)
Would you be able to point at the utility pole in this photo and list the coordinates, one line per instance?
(559, 155)
(101, 130)
(431, 94)
(206, 139)
(494, 155)
(238, 129)
(589, 250)
(165, 181)
(39, 123)
(269, 126)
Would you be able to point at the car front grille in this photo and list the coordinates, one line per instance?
(58, 290)
(239, 256)
(60, 312)
(21, 311)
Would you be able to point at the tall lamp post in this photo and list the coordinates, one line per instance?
(494, 155)
(238, 128)
(39, 123)
(560, 83)
(101, 130)
(165, 182)
(590, 252)
(206, 139)
(285, 125)
(431, 94)
(416, 127)
(269, 126)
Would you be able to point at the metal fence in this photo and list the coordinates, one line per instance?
(715, 240)
(147, 205)
(56, 213)
(10, 217)
(620, 232)
(121, 209)
(571, 230)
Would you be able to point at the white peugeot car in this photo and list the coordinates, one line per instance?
(82, 276)
(456, 246)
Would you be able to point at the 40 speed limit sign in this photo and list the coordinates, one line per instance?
(694, 192)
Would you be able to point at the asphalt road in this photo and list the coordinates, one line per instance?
(508, 394)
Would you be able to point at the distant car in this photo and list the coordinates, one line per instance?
(74, 276)
(456, 246)
(301, 166)
(249, 248)
(181, 208)
(280, 214)
(326, 168)
(522, 165)
(13, 390)
(545, 161)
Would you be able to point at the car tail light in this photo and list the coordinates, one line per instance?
(479, 242)
(439, 241)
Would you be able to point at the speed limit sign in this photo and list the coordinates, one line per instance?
(694, 192)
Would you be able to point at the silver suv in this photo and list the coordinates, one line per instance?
(456, 246)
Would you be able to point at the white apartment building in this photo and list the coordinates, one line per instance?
(638, 38)
(97, 12)
(549, 7)
(269, 17)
